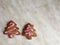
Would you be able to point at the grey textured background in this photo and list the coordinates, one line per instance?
(43, 14)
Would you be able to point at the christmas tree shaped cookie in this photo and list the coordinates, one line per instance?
(11, 29)
(29, 31)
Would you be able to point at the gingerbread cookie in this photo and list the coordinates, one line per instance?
(11, 29)
(29, 31)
